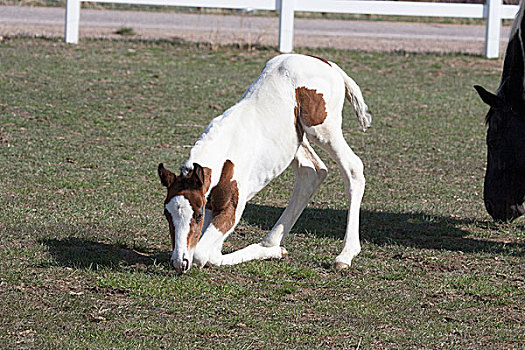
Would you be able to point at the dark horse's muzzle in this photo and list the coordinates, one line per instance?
(504, 212)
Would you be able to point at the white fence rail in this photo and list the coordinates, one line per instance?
(493, 10)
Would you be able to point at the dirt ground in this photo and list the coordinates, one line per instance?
(251, 30)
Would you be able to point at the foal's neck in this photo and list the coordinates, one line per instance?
(214, 146)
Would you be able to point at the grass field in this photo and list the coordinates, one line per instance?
(84, 247)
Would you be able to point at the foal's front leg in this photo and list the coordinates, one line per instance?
(209, 248)
(207, 243)
(253, 252)
(310, 171)
(256, 251)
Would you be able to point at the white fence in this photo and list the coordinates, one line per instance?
(493, 10)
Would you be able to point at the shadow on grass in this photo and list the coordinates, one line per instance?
(382, 228)
(385, 228)
(85, 253)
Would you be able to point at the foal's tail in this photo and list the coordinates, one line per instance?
(355, 97)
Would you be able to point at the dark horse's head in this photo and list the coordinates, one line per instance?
(504, 190)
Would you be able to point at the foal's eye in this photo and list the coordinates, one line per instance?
(198, 216)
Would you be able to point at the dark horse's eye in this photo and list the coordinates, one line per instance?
(492, 143)
(198, 216)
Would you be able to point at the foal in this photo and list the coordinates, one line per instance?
(295, 98)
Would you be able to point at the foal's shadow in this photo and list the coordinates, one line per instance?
(87, 253)
(384, 228)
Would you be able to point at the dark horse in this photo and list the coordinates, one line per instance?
(504, 190)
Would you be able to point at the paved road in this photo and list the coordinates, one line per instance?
(217, 29)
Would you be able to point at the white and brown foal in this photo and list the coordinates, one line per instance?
(295, 99)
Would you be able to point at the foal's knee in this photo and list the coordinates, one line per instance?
(321, 174)
(200, 258)
(355, 168)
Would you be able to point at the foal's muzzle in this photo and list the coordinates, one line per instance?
(181, 267)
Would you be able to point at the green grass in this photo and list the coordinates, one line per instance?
(125, 31)
(84, 247)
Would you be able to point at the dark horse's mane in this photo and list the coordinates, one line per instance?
(512, 84)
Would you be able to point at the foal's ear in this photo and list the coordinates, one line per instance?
(166, 176)
(197, 175)
(488, 97)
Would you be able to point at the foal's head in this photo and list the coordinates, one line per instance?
(184, 210)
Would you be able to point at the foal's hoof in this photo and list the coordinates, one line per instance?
(338, 266)
(284, 252)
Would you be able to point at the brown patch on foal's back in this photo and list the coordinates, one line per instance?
(223, 199)
(311, 107)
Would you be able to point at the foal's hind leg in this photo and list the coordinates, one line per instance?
(310, 172)
(351, 168)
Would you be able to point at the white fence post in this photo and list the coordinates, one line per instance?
(72, 21)
(493, 10)
(492, 34)
(286, 18)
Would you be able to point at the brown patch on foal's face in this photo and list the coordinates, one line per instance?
(193, 187)
(197, 201)
(223, 200)
(311, 107)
